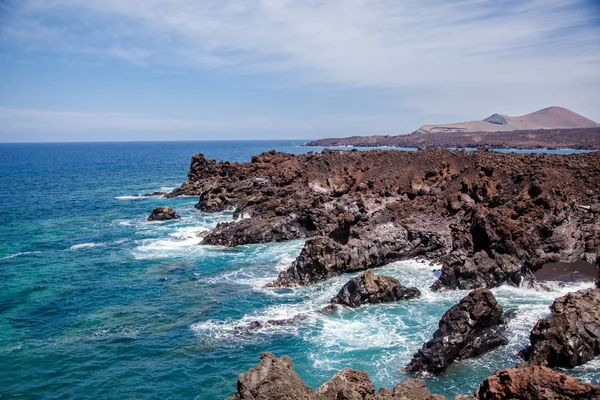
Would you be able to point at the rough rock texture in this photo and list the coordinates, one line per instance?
(370, 289)
(275, 379)
(409, 389)
(272, 378)
(472, 327)
(163, 214)
(534, 383)
(577, 138)
(487, 217)
(571, 336)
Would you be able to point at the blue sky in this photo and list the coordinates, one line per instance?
(97, 70)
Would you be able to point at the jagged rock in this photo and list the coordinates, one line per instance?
(488, 218)
(413, 389)
(472, 327)
(273, 378)
(534, 383)
(371, 289)
(571, 336)
(163, 213)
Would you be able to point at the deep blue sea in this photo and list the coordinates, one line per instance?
(95, 302)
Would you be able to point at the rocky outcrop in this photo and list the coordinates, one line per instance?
(163, 214)
(272, 378)
(275, 379)
(571, 336)
(486, 217)
(534, 383)
(370, 289)
(472, 327)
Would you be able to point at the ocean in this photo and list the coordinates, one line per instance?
(95, 302)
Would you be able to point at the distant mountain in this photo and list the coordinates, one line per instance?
(548, 118)
(552, 127)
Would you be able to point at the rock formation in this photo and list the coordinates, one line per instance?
(163, 213)
(534, 383)
(275, 379)
(487, 217)
(370, 289)
(571, 336)
(472, 327)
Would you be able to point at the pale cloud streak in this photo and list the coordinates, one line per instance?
(437, 56)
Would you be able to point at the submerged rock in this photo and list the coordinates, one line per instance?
(163, 213)
(534, 383)
(371, 289)
(472, 327)
(150, 194)
(571, 336)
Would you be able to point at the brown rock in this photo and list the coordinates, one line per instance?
(347, 384)
(534, 383)
(414, 389)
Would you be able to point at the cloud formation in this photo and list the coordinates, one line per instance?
(436, 55)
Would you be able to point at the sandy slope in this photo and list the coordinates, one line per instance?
(548, 118)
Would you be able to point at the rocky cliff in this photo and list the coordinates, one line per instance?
(486, 217)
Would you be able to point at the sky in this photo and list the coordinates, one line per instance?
(106, 70)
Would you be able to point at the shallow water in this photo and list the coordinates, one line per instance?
(95, 302)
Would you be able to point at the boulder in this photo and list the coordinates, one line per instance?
(472, 327)
(371, 289)
(275, 379)
(163, 213)
(571, 335)
(413, 389)
(272, 378)
(534, 383)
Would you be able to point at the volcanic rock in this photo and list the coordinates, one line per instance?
(370, 289)
(534, 383)
(487, 218)
(272, 378)
(571, 336)
(275, 379)
(163, 214)
(472, 327)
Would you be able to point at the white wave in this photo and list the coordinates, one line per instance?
(129, 197)
(24, 253)
(85, 246)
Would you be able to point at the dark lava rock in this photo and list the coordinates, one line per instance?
(275, 379)
(487, 218)
(472, 327)
(163, 213)
(534, 383)
(571, 336)
(272, 378)
(370, 289)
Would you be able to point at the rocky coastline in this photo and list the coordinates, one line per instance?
(487, 218)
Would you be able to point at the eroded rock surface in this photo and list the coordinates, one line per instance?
(487, 217)
(275, 379)
(371, 289)
(571, 336)
(472, 327)
(534, 383)
(163, 213)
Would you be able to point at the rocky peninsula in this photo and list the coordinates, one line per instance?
(486, 217)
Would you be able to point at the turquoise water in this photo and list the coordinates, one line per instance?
(95, 302)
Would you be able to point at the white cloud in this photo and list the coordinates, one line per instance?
(437, 56)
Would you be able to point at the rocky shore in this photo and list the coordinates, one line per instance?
(578, 138)
(487, 218)
(275, 379)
